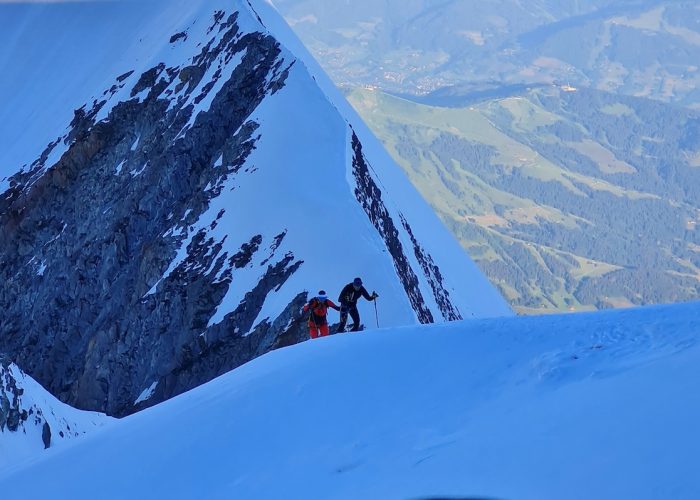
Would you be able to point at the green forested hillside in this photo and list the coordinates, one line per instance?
(567, 198)
(556, 138)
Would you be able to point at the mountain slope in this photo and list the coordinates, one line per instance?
(32, 420)
(573, 183)
(595, 405)
(175, 228)
(566, 198)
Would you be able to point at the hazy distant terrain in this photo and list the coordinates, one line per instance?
(639, 47)
(557, 139)
(567, 200)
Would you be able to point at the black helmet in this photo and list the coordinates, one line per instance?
(357, 282)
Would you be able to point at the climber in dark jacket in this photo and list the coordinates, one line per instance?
(348, 303)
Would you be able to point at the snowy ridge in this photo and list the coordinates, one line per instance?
(477, 299)
(228, 180)
(597, 405)
(419, 224)
(32, 420)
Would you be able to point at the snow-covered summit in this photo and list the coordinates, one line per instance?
(599, 405)
(209, 179)
(32, 420)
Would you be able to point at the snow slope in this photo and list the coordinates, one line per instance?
(40, 420)
(599, 405)
(54, 56)
(309, 170)
(203, 178)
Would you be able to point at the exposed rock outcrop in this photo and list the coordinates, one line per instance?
(172, 232)
(82, 242)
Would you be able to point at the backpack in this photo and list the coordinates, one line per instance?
(319, 309)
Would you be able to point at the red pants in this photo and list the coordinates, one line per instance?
(314, 330)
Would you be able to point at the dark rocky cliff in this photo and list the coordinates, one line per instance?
(132, 264)
(84, 240)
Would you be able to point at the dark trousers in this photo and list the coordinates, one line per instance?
(350, 309)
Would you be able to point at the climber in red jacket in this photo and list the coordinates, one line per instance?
(318, 321)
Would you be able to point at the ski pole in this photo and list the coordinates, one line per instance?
(376, 314)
